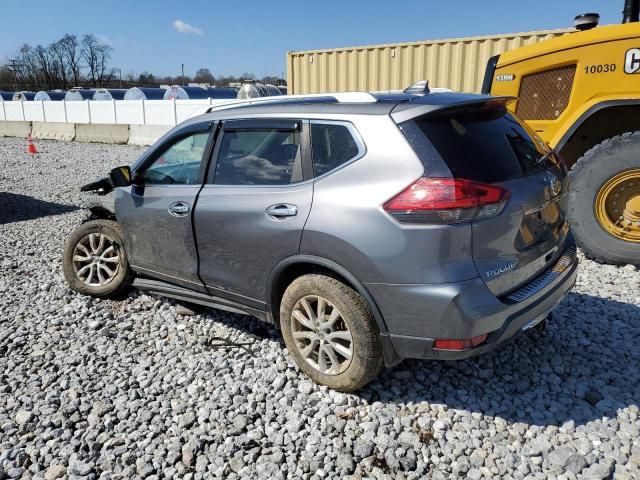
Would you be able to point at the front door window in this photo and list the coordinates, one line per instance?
(179, 164)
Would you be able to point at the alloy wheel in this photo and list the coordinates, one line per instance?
(321, 335)
(96, 260)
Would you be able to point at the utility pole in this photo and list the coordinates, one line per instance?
(183, 74)
(13, 66)
(120, 71)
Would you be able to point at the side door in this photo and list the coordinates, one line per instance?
(253, 207)
(156, 211)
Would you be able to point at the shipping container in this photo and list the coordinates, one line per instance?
(458, 64)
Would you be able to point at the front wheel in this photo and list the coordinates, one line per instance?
(95, 262)
(604, 206)
(330, 332)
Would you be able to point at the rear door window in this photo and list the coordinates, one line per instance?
(260, 156)
(332, 145)
(485, 145)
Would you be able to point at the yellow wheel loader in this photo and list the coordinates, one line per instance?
(581, 94)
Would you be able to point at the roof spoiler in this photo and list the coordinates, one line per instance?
(443, 105)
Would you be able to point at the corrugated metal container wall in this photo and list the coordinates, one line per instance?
(457, 63)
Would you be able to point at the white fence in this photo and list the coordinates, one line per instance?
(129, 112)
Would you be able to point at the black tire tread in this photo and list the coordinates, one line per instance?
(580, 169)
(116, 290)
(367, 363)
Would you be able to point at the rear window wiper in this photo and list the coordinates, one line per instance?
(546, 156)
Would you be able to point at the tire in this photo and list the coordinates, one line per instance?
(118, 283)
(590, 173)
(354, 316)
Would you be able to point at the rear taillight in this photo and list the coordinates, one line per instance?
(446, 201)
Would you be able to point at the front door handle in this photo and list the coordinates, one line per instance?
(282, 210)
(179, 209)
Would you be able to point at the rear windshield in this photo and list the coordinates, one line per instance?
(485, 145)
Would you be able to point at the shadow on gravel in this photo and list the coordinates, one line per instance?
(585, 366)
(18, 208)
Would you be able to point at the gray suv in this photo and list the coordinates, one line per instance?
(368, 228)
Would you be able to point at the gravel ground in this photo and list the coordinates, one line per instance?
(103, 389)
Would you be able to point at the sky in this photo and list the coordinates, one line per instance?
(253, 36)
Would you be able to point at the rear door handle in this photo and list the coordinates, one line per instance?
(179, 209)
(282, 210)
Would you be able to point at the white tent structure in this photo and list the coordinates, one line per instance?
(52, 95)
(144, 93)
(79, 94)
(184, 93)
(109, 94)
(22, 96)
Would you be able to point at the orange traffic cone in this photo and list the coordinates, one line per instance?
(31, 148)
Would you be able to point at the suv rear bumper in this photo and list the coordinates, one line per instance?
(416, 315)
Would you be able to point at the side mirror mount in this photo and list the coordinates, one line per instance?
(101, 186)
(120, 176)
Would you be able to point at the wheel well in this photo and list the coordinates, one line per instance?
(100, 212)
(601, 125)
(288, 275)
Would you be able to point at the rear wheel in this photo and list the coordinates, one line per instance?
(604, 207)
(95, 261)
(330, 332)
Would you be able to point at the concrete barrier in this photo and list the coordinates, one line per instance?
(102, 133)
(142, 135)
(15, 129)
(146, 134)
(54, 131)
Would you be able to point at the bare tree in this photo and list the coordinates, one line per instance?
(26, 68)
(96, 57)
(204, 75)
(59, 65)
(272, 80)
(6, 77)
(72, 61)
(71, 53)
(48, 71)
(146, 78)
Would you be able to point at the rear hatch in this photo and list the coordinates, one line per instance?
(485, 143)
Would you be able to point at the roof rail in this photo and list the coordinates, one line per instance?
(354, 97)
(346, 97)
